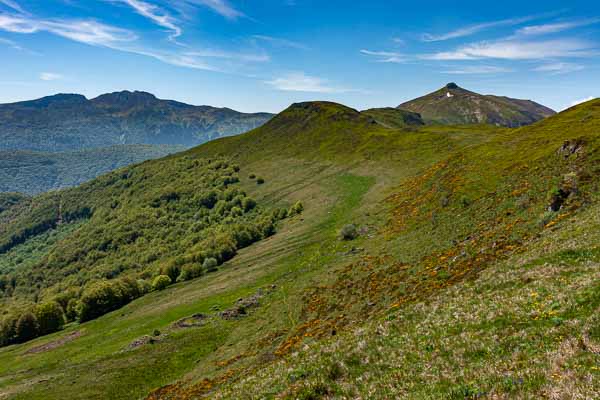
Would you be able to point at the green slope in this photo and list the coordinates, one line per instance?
(455, 236)
(35, 172)
(455, 105)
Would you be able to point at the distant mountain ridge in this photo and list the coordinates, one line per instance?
(455, 105)
(66, 122)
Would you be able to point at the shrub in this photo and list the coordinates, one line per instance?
(260, 181)
(296, 209)
(161, 282)
(248, 204)
(189, 272)
(106, 296)
(8, 327)
(27, 327)
(210, 264)
(50, 317)
(252, 176)
(172, 270)
(72, 310)
(144, 285)
(349, 232)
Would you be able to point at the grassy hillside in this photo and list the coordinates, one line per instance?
(35, 172)
(455, 105)
(474, 272)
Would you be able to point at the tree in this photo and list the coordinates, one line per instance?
(210, 264)
(27, 327)
(171, 270)
(349, 232)
(50, 317)
(161, 282)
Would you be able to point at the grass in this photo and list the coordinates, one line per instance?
(435, 299)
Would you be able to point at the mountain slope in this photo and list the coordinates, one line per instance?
(35, 172)
(455, 105)
(71, 122)
(433, 298)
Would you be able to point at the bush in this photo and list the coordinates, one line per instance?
(8, 327)
(189, 272)
(296, 209)
(72, 310)
(248, 204)
(252, 176)
(260, 181)
(349, 232)
(210, 264)
(103, 297)
(50, 317)
(144, 285)
(161, 282)
(172, 271)
(27, 328)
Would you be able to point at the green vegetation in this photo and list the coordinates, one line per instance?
(453, 289)
(455, 105)
(35, 172)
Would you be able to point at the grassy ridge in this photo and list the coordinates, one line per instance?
(447, 216)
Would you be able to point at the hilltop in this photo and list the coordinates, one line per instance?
(355, 256)
(66, 122)
(455, 105)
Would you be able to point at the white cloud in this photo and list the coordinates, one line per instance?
(556, 27)
(473, 29)
(279, 42)
(386, 56)
(559, 68)
(50, 76)
(300, 82)
(157, 15)
(518, 50)
(221, 7)
(14, 5)
(576, 102)
(10, 44)
(84, 31)
(478, 70)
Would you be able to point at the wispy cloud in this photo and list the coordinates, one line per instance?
(555, 27)
(559, 68)
(14, 5)
(478, 70)
(300, 82)
(157, 15)
(518, 50)
(221, 7)
(84, 31)
(50, 76)
(473, 29)
(279, 42)
(10, 44)
(386, 56)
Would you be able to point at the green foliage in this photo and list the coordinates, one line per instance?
(210, 264)
(296, 209)
(190, 271)
(260, 181)
(102, 297)
(27, 327)
(172, 271)
(50, 317)
(248, 204)
(161, 282)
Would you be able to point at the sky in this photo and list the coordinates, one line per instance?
(263, 55)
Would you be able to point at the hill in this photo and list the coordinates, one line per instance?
(455, 105)
(468, 266)
(67, 122)
(35, 172)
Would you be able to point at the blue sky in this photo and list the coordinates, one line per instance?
(262, 55)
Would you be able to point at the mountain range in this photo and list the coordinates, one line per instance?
(329, 253)
(455, 105)
(67, 122)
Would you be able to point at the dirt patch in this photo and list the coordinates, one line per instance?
(144, 340)
(54, 344)
(243, 305)
(190, 322)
